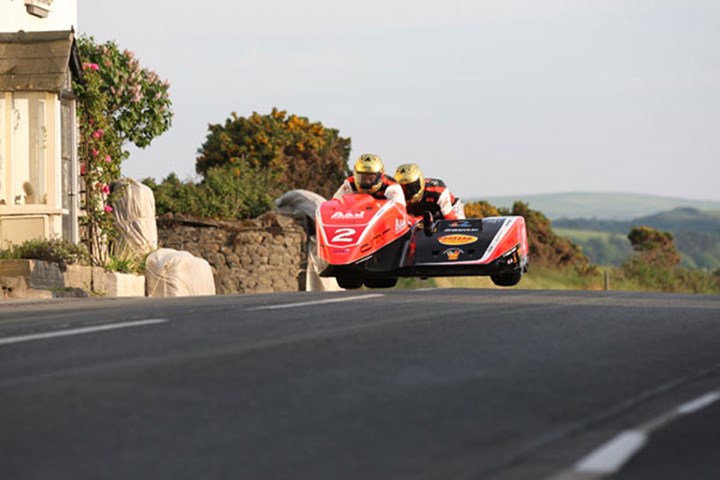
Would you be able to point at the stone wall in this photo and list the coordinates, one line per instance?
(267, 254)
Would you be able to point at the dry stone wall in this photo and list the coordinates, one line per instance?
(262, 255)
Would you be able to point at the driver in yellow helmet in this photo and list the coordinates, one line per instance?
(369, 177)
(427, 194)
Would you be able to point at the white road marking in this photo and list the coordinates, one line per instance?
(79, 331)
(699, 403)
(316, 302)
(610, 457)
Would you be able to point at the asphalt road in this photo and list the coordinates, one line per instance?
(397, 384)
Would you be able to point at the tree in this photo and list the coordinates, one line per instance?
(298, 153)
(138, 103)
(654, 263)
(654, 247)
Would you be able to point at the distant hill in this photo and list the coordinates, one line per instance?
(684, 219)
(696, 233)
(601, 206)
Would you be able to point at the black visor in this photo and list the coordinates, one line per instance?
(411, 189)
(367, 180)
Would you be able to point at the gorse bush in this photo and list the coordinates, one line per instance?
(300, 154)
(62, 252)
(246, 163)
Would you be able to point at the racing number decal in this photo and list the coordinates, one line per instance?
(343, 235)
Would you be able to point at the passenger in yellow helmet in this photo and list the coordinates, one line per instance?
(427, 194)
(369, 177)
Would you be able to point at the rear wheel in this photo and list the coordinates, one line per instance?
(509, 279)
(349, 282)
(387, 282)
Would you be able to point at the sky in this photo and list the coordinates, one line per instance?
(496, 97)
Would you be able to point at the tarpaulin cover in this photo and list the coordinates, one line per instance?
(175, 273)
(300, 201)
(134, 213)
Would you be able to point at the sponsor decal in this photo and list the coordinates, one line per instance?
(399, 225)
(460, 230)
(457, 239)
(337, 215)
(464, 224)
(453, 253)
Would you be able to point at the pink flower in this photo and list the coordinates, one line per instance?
(108, 159)
(108, 208)
(105, 189)
(83, 171)
(95, 152)
(98, 133)
(91, 66)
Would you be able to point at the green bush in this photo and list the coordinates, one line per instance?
(60, 251)
(300, 153)
(241, 191)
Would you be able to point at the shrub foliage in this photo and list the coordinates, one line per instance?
(655, 265)
(60, 251)
(297, 153)
(240, 192)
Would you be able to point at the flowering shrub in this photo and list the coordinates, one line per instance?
(118, 102)
(100, 154)
(138, 103)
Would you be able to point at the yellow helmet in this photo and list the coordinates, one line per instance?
(368, 173)
(412, 181)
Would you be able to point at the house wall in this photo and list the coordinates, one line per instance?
(30, 139)
(29, 134)
(62, 15)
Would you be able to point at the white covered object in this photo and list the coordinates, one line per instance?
(306, 203)
(175, 273)
(313, 281)
(299, 201)
(134, 213)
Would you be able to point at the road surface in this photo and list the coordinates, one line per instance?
(372, 384)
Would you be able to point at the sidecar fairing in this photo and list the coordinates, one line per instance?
(492, 246)
(371, 242)
(361, 240)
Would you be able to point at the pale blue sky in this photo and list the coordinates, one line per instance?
(497, 97)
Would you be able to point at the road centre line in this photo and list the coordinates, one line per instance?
(316, 302)
(699, 403)
(611, 456)
(80, 331)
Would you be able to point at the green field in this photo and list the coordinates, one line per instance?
(585, 235)
(602, 248)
